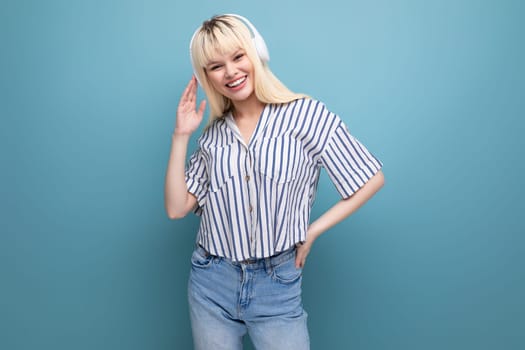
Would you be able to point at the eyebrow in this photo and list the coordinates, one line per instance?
(211, 63)
(235, 53)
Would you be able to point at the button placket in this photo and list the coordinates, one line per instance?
(252, 195)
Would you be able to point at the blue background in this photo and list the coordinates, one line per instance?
(89, 89)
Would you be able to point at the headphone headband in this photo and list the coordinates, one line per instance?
(257, 39)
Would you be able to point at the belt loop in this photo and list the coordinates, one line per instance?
(268, 265)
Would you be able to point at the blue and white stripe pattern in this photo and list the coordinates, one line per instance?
(255, 199)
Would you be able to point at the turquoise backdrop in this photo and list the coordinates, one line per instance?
(89, 89)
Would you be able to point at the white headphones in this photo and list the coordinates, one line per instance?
(258, 42)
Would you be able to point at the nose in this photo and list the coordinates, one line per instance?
(230, 70)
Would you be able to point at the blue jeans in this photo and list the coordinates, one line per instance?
(261, 297)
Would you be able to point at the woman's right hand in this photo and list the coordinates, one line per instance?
(188, 117)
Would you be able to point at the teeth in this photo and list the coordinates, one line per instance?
(236, 82)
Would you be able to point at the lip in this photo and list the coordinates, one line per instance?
(238, 87)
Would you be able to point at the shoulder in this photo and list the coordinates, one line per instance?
(313, 111)
(215, 134)
(303, 101)
(302, 107)
(215, 125)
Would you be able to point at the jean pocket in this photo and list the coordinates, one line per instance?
(287, 273)
(201, 258)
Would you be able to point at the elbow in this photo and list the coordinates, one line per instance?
(177, 209)
(175, 214)
(172, 216)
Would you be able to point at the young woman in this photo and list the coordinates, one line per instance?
(253, 180)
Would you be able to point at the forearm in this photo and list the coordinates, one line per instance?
(176, 196)
(345, 207)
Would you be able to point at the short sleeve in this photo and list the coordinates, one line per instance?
(197, 178)
(348, 163)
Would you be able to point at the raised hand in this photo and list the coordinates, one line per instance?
(188, 117)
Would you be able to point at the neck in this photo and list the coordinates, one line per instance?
(248, 109)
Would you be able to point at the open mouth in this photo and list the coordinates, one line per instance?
(236, 82)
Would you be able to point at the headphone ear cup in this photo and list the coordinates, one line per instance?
(194, 70)
(261, 48)
(191, 57)
(196, 75)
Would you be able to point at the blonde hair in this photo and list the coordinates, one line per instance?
(225, 34)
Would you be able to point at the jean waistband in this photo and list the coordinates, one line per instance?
(255, 263)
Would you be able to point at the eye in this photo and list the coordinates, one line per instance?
(238, 56)
(215, 67)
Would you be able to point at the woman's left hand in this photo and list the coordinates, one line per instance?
(302, 253)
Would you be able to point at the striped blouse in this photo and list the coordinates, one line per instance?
(255, 199)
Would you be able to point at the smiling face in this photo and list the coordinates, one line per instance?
(232, 75)
(226, 62)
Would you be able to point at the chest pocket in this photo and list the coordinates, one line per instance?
(223, 164)
(281, 158)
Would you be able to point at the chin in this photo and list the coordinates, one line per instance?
(243, 96)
